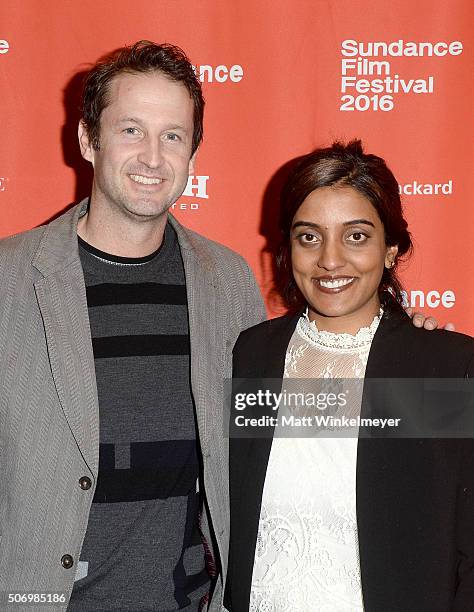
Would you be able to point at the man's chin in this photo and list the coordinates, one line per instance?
(147, 211)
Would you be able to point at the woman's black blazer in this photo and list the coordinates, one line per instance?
(415, 497)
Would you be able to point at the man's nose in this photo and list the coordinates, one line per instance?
(151, 153)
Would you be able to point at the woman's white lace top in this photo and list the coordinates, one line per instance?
(307, 555)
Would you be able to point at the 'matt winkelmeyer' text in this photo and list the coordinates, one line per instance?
(319, 421)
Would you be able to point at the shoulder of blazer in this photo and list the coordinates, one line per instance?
(18, 251)
(48, 248)
(225, 275)
(400, 349)
(262, 331)
(260, 350)
(209, 251)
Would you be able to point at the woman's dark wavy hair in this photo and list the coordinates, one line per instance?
(142, 57)
(344, 165)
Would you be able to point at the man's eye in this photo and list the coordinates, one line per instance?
(172, 136)
(131, 130)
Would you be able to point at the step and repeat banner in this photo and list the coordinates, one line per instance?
(280, 78)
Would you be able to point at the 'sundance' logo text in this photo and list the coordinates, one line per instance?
(373, 84)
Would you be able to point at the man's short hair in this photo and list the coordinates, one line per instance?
(142, 57)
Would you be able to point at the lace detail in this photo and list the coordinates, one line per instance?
(293, 355)
(307, 555)
(309, 331)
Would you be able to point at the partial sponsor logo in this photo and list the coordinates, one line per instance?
(185, 205)
(219, 74)
(416, 188)
(4, 46)
(196, 187)
(416, 298)
(362, 92)
(3, 183)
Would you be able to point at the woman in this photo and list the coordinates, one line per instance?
(333, 524)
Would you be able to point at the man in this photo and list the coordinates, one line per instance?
(117, 326)
(117, 329)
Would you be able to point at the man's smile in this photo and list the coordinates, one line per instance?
(145, 180)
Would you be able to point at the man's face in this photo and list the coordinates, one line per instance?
(146, 135)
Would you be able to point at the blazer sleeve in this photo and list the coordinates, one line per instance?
(464, 596)
(255, 311)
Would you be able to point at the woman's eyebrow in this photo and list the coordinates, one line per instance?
(305, 224)
(316, 226)
(359, 222)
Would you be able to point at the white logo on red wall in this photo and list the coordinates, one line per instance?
(416, 298)
(4, 46)
(3, 183)
(219, 74)
(196, 187)
(417, 188)
(373, 84)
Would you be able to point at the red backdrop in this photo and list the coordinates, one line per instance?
(273, 79)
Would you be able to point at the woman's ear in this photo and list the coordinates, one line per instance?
(391, 256)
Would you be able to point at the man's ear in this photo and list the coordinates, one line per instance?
(191, 164)
(87, 151)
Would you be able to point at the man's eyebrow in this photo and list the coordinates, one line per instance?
(177, 127)
(136, 120)
(128, 119)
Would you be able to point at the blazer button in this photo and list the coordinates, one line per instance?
(67, 561)
(85, 483)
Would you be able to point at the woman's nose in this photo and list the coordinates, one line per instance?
(331, 255)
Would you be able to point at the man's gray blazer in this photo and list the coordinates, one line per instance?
(49, 413)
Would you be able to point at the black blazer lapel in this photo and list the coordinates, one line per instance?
(259, 354)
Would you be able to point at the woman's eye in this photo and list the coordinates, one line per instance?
(308, 238)
(357, 237)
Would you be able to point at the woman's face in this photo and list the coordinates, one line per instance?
(338, 254)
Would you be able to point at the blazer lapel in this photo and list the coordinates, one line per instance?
(378, 472)
(61, 296)
(273, 366)
(249, 456)
(206, 332)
